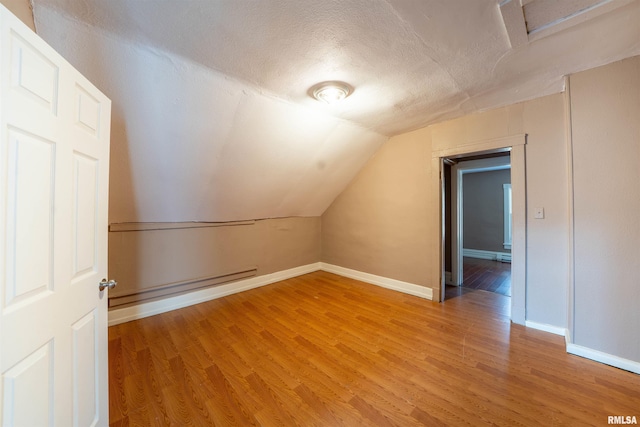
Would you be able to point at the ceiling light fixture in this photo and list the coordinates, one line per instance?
(330, 92)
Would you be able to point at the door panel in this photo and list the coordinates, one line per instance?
(88, 112)
(30, 193)
(85, 184)
(35, 75)
(85, 370)
(29, 391)
(54, 155)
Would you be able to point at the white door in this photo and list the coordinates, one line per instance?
(54, 161)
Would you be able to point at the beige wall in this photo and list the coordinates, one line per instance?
(547, 187)
(150, 263)
(380, 223)
(606, 157)
(22, 9)
(386, 221)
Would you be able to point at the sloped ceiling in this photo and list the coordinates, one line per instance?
(211, 117)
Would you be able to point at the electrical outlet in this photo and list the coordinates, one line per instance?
(538, 213)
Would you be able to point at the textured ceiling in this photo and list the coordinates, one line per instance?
(222, 86)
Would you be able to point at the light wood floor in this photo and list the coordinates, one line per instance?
(329, 351)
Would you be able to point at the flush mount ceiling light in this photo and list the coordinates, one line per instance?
(330, 92)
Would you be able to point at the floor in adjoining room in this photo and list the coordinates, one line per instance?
(487, 275)
(325, 350)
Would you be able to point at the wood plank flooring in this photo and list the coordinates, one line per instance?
(330, 351)
(487, 275)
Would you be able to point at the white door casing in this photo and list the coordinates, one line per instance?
(517, 144)
(54, 164)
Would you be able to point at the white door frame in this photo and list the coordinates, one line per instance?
(516, 144)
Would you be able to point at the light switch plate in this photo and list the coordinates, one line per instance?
(538, 213)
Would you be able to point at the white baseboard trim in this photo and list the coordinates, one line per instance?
(587, 353)
(546, 328)
(393, 284)
(151, 308)
(491, 255)
(608, 359)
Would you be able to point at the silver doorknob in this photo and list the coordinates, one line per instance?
(104, 284)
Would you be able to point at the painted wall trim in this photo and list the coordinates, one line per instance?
(587, 353)
(385, 282)
(570, 211)
(608, 359)
(482, 145)
(567, 337)
(546, 328)
(482, 254)
(151, 226)
(151, 308)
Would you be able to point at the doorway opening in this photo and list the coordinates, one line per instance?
(477, 223)
(516, 146)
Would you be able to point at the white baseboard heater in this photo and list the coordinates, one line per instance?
(491, 255)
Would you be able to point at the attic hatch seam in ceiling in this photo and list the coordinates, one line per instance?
(561, 18)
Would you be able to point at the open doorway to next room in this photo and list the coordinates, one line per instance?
(477, 250)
